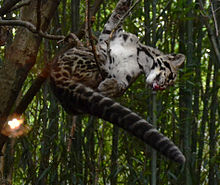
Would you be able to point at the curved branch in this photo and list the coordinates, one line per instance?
(31, 28)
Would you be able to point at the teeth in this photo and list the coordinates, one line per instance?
(155, 86)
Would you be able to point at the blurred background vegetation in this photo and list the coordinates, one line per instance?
(61, 149)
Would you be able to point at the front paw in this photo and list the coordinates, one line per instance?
(109, 87)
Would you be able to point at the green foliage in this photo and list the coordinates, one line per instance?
(48, 154)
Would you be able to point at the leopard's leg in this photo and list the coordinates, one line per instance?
(121, 8)
(110, 87)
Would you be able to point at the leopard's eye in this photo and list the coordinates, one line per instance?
(158, 77)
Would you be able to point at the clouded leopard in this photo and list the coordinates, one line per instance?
(80, 88)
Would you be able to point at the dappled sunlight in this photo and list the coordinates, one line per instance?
(15, 123)
(15, 126)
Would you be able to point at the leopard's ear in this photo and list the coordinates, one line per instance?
(177, 59)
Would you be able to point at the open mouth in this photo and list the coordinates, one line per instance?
(156, 87)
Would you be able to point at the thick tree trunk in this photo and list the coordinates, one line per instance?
(212, 129)
(188, 99)
(202, 129)
(75, 15)
(21, 56)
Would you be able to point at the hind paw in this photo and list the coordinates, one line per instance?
(110, 87)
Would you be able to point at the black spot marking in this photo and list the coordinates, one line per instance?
(128, 78)
(156, 54)
(143, 49)
(138, 51)
(162, 68)
(159, 62)
(69, 63)
(68, 69)
(125, 37)
(90, 66)
(65, 74)
(140, 66)
(77, 75)
(81, 55)
(111, 61)
(72, 87)
(120, 29)
(80, 62)
(58, 75)
(167, 65)
(74, 58)
(106, 31)
(87, 62)
(154, 65)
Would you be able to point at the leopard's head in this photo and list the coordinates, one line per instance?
(163, 72)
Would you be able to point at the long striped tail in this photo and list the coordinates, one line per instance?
(78, 98)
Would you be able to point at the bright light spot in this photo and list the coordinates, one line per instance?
(15, 126)
(15, 123)
(208, 50)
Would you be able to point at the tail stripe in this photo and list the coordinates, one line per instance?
(162, 141)
(149, 133)
(85, 100)
(141, 124)
(172, 151)
(132, 117)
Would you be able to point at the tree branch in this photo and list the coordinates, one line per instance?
(215, 20)
(18, 65)
(41, 78)
(93, 11)
(31, 28)
(32, 91)
(212, 37)
(89, 37)
(7, 6)
(17, 6)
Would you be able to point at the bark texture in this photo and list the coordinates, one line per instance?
(21, 55)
